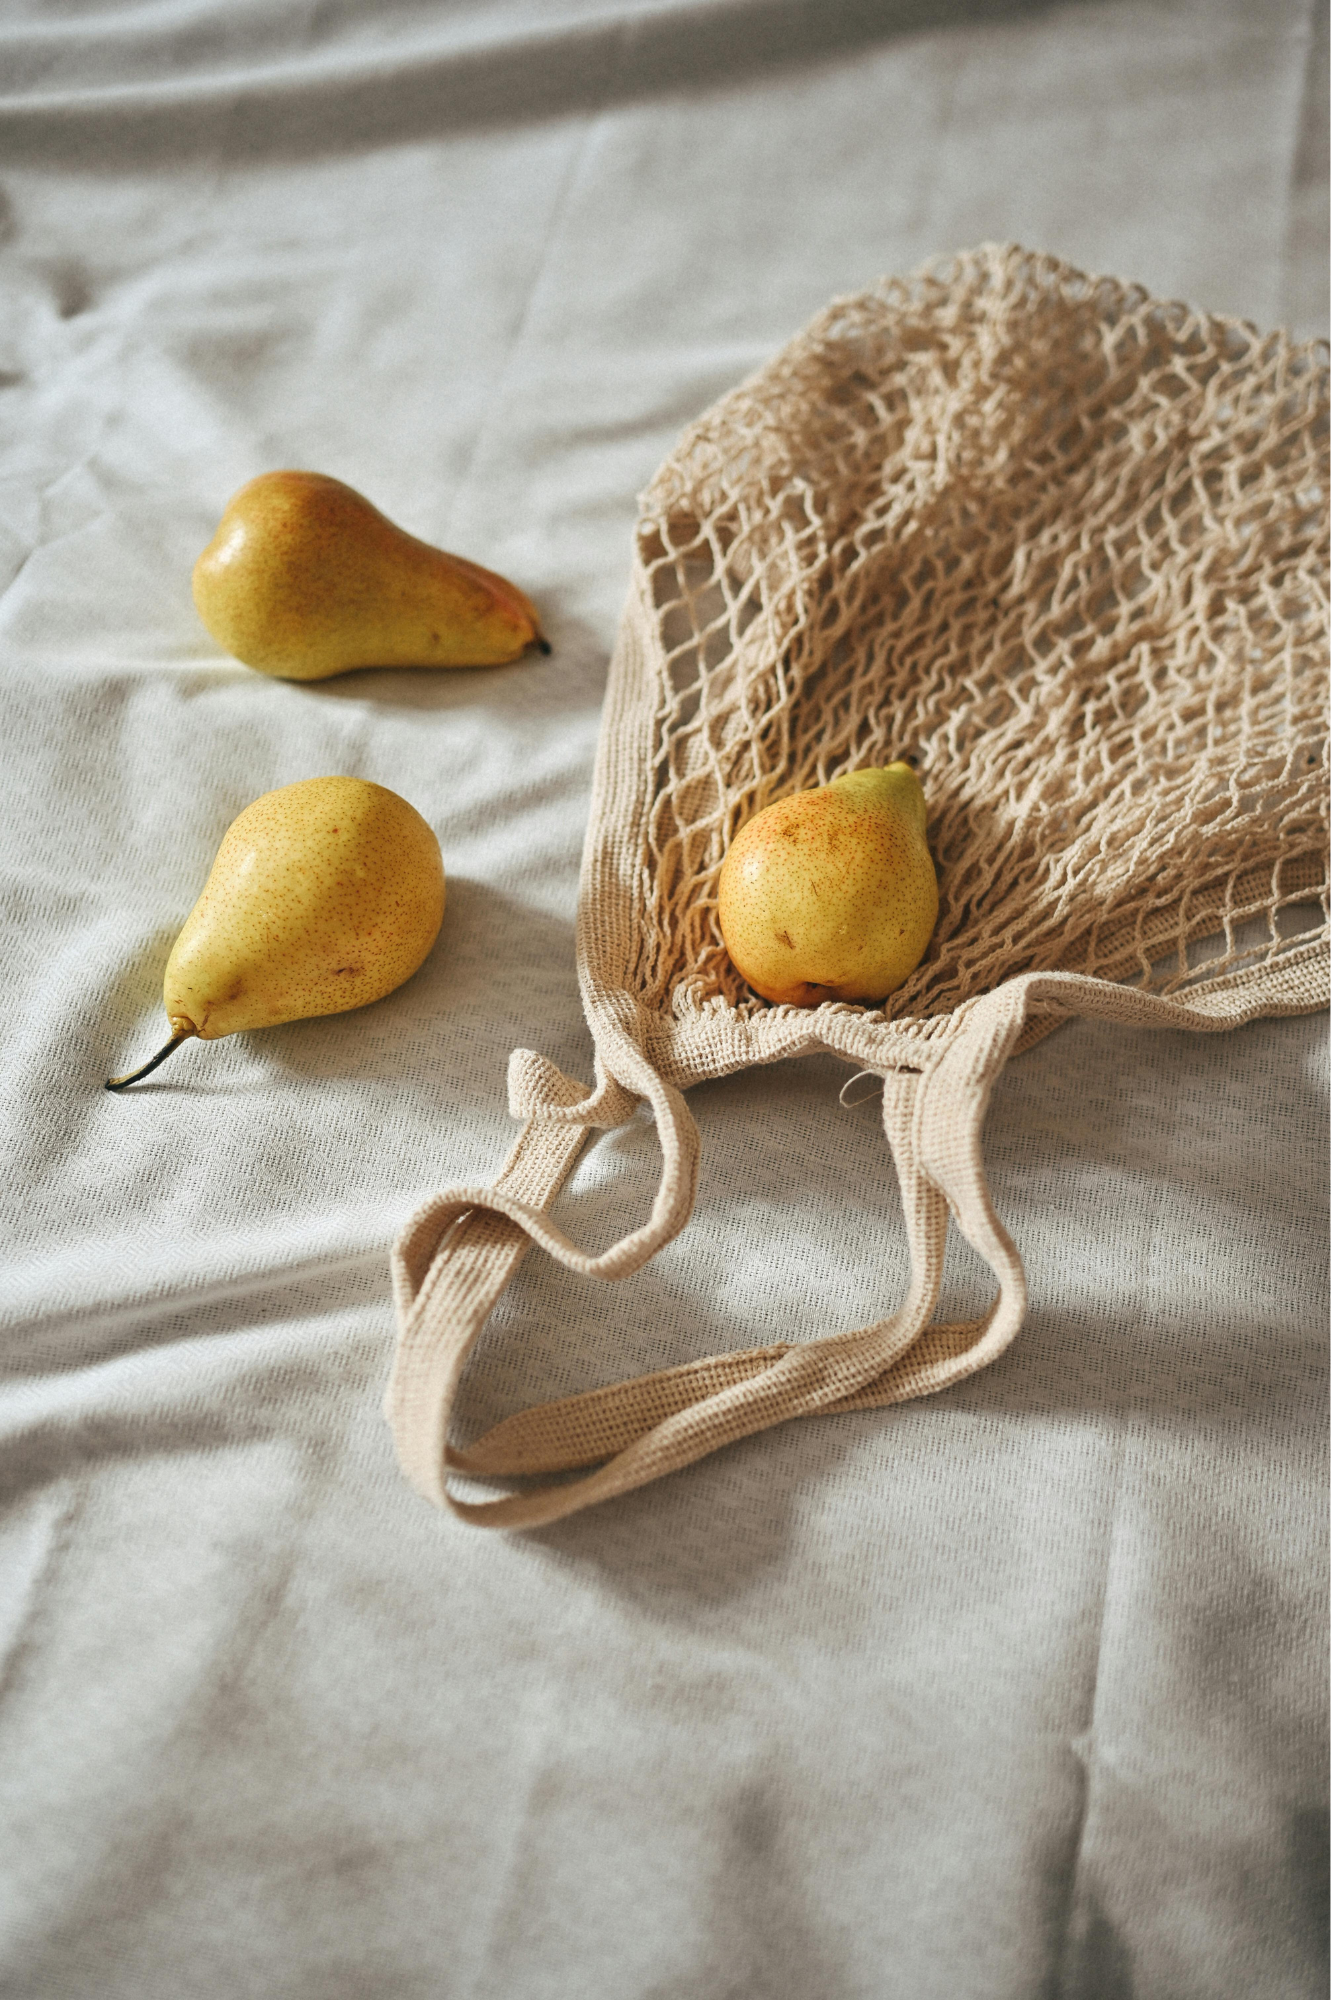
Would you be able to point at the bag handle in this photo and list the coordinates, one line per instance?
(645, 1428)
(459, 1251)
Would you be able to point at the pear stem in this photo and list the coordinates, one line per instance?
(120, 1082)
(542, 645)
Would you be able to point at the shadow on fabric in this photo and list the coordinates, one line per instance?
(302, 107)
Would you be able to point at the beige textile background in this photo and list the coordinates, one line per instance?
(1015, 1692)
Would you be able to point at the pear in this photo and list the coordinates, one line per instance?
(324, 895)
(304, 578)
(830, 894)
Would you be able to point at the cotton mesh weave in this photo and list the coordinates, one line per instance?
(1062, 545)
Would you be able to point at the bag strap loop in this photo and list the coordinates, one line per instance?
(459, 1252)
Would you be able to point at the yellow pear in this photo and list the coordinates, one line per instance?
(830, 894)
(304, 578)
(324, 895)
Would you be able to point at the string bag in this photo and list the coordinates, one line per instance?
(1063, 545)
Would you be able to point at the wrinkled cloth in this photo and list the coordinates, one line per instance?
(1015, 1691)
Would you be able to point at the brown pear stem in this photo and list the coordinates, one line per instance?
(181, 1035)
(542, 645)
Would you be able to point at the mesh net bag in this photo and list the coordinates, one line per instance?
(1063, 545)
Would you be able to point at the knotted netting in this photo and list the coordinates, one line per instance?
(1062, 546)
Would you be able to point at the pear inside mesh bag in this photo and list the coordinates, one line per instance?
(1064, 546)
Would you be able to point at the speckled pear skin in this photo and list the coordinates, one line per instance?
(304, 579)
(324, 895)
(831, 894)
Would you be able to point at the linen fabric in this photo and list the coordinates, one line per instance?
(1013, 1690)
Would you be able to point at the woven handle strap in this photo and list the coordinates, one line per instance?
(460, 1251)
